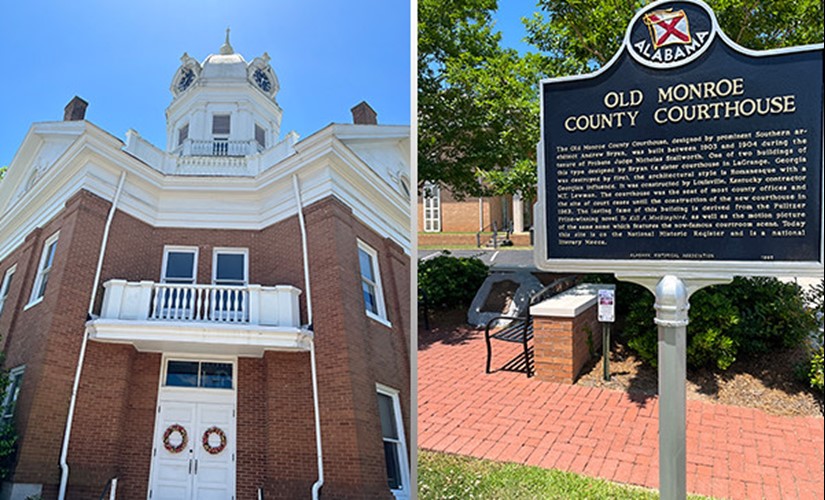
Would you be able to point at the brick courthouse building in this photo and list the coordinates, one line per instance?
(176, 279)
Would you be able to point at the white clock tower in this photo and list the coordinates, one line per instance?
(223, 107)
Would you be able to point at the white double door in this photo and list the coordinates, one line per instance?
(193, 472)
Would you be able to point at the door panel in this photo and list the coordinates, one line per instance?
(171, 470)
(215, 478)
(194, 473)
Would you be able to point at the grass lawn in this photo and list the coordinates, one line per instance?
(445, 476)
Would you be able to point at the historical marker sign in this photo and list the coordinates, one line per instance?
(685, 154)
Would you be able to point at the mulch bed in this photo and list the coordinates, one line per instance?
(765, 382)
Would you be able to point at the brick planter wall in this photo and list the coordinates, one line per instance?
(566, 330)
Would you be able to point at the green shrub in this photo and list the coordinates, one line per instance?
(449, 282)
(748, 316)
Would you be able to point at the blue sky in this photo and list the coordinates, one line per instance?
(121, 56)
(508, 22)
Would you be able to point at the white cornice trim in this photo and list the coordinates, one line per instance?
(326, 166)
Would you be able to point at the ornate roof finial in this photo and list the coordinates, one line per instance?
(226, 48)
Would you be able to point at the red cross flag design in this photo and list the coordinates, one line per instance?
(667, 27)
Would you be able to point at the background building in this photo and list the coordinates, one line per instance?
(214, 280)
(445, 221)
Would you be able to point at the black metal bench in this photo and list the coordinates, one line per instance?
(520, 328)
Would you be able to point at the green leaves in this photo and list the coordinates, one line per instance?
(478, 102)
(749, 316)
(449, 282)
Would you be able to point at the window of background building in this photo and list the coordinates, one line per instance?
(432, 208)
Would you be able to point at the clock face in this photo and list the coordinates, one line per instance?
(262, 80)
(186, 79)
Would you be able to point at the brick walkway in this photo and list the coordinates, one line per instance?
(732, 452)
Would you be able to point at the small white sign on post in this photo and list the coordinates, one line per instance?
(607, 305)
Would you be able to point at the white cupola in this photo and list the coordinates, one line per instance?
(224, 106)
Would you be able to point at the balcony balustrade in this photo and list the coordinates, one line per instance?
(218, 147)
(245, 320)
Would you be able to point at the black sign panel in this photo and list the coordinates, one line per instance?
(685, 147)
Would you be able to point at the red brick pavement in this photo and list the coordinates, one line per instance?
(732, 452)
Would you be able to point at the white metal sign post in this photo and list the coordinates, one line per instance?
(607, 315)
(684, 161)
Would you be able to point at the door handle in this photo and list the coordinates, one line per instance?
(196, 466)
(190, 466)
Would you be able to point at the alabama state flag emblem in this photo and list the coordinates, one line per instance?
(668, 27)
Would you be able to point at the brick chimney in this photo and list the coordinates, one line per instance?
(363, 114)
(75, 110)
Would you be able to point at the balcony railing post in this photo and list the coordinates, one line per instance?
(145, 301)
(254, 304)
(112, 298)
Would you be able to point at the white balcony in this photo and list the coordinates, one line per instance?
(219, 147)
(201, 319)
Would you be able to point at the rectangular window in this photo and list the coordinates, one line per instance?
(395, 448)
(5, 286)
(44, 270)
(230, 268)
(180, 265)
(183, 134)
(371, 282)
(202, 374)
(260, 136)
(432, 208)
(12, 391)
(220, 125)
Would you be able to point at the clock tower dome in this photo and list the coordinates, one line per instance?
(224, 106)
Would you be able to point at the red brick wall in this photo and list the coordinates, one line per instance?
(462, 216)
(116, 406)
(46, 337)
(562, 347)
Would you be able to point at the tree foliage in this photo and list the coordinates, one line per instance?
(478, 102)
(587, 33)
(3, 172)
(477, 106)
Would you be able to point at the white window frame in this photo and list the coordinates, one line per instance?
(10, 398)
(381, 316)
(234, 251)
(181, 136)
(176, 248)
(5, 286)
(262, 146)
(43, 272)
(404, 492)
(221, 135)
(230, 360)
(432, 208)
